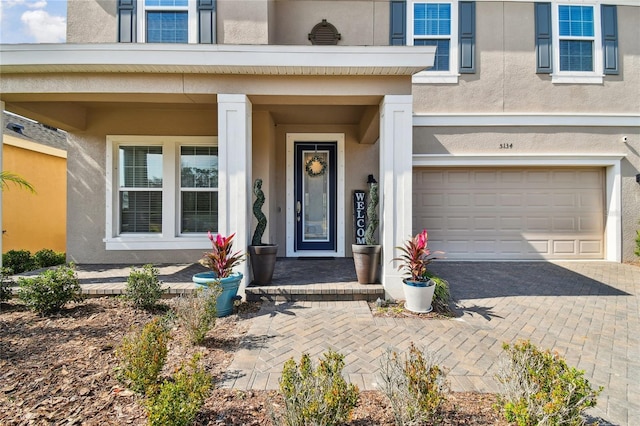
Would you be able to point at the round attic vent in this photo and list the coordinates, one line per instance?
(324, 34)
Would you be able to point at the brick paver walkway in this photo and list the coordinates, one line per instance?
(587, 311)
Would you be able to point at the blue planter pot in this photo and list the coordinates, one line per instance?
(230, 285)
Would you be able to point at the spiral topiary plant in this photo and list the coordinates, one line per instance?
(372, 215)
(257, 212)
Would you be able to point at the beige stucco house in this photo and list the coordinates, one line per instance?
(509, 129)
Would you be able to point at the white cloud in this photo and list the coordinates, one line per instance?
(43, 27)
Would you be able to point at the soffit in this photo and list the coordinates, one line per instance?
(216, 59)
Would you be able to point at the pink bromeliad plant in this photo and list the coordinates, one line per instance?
(221, 259)
(416, 256)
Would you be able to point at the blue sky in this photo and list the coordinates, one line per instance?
(33, 21)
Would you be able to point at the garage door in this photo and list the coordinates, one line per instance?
(511, 213)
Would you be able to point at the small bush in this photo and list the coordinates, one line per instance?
(316, 397)
(414, 384)
(441, 295)
(177, 402)
(539, 388)
(18, 261)
(142, 355)
(5, 285)
(51, 290)
(143, 289)
(196, 312)
(638, 243)
(47, 257)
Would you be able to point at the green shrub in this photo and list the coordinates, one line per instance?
(316, 397)
(638, 243)
(5, 285)
(178, 401)
(18, 261)
(414, 384)
(196, 312)
(539, 388)
(441, 295)
(142, 355)
(51, 290)
(47, 257)
(143, 289)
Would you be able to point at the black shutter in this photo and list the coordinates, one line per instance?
(126, 21)
(543, 38)
(610, 39)
(398, 23)
(206, 21)
(467, 37)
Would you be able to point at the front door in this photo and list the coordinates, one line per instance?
(316, 227)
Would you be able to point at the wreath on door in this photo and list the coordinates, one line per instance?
(316, 166)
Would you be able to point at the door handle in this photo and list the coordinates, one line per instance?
(298, 210)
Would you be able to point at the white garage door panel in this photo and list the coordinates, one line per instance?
(511, 213)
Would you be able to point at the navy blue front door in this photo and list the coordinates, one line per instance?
(315, 196)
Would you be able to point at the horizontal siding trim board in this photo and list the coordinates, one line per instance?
(534, 119)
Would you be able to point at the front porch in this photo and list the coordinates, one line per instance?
(295, 279)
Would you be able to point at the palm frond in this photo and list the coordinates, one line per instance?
(6, 177)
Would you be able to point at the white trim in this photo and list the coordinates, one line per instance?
(578, 77)
(34, 146)
(170, 238)
(339, 138)
(216, 59)
(519, 119)
(613, 181)
(437, 77)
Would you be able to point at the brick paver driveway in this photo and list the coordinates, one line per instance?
(587, 311)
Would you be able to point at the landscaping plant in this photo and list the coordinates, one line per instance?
(5, 288)
(142, 355)
(441, 295)
(638, 243)
(538, 388)
(51, 290)
(143, 289)
(18, 261)
(196, 312)
(178, 401)
(318, 397)
(414, 384)
(47, 257)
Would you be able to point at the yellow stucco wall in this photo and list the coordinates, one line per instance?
(34, 221)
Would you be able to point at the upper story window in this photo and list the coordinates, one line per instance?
(576, 42)
(167, 21)
(435, 23)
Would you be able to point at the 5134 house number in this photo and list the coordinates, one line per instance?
(506, 146)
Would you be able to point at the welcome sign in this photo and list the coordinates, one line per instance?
(359, 213)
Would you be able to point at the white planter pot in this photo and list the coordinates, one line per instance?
(418, 295)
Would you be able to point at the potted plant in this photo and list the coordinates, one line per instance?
(221, 260)
(418, 287)
(366, 257)
(262, 256)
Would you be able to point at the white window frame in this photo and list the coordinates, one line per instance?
(578, 77)
(192, 10)
(170, 238)
(441, 77)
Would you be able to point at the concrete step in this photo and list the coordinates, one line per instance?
(327, 292)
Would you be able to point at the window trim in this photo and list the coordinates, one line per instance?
(577, 77)
(192, 26)
(170, 238)
(441, 77)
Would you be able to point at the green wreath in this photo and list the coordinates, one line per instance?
(311, 167)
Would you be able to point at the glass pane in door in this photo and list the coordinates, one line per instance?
(315, 192)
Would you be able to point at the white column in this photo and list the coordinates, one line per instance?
(234, 162)
(396, 150)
